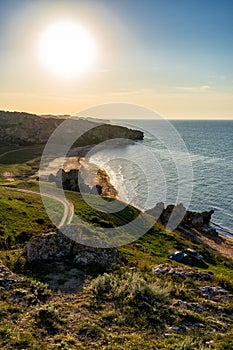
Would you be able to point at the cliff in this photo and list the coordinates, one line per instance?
(90, 177)
(25, 129)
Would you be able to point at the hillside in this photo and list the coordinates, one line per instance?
(69, 301)
(145, 301)
(29, 129)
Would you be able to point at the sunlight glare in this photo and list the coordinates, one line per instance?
(67, 49)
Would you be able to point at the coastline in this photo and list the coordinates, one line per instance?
(91, 174)
(218, 242)
(222, 243)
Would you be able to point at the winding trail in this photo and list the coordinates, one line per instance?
(12, 151)
(68, 206)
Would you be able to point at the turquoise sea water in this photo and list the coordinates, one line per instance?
(146, 173)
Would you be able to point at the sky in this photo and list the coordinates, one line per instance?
(173, 56)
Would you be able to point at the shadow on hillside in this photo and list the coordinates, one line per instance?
(60, 276)
(21, 154)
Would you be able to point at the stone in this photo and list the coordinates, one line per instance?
(174, 330)
(102, 257)
(56, 245)
(156, 211)
(89, 178)
(177, 215)
(183, 272)
(188, 257)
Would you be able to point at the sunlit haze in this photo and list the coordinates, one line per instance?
(63, 56)
(66, 49)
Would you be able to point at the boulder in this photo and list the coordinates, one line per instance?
(56, 245)
(156, 211)
(67, 180)
(188, 257)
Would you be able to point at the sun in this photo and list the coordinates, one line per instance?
(67, 49)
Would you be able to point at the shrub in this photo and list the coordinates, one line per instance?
(225, 282)
(48, 317)
(5, 332)
(89, 330)
(128, 286)
(23, 341)
(102, 285)
(40, 290)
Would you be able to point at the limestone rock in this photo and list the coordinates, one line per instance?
(91, 180)
(182, 272)
(56, 245)
(103, 256)
(177, 215)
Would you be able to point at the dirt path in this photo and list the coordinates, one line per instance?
(12, 151)
(68, 206)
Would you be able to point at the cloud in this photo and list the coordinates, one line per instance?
(201, 88)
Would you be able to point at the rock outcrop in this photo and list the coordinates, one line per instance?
(87, 179)
(190, 219)
(55, 245)
(26, 129)
(182, 272)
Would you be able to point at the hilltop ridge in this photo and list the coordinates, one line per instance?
(27, 129)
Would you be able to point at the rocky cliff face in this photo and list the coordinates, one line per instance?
(72, 180)
(25, 129)
(190, 219)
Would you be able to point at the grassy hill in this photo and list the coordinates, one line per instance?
(19, 162)
(125, 306)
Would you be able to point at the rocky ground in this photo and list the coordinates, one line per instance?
(7, 277)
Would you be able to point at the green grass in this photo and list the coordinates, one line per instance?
(117, 309)
(22, 216)
(22, 163)
(96, 217)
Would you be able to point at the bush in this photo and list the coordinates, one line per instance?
(89, 330)
(48, 317)
(40, 290)
(225, 282)
(128, 286)
(191, 343)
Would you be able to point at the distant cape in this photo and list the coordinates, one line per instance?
(27, 129)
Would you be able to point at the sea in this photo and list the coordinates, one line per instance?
(178, 161)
